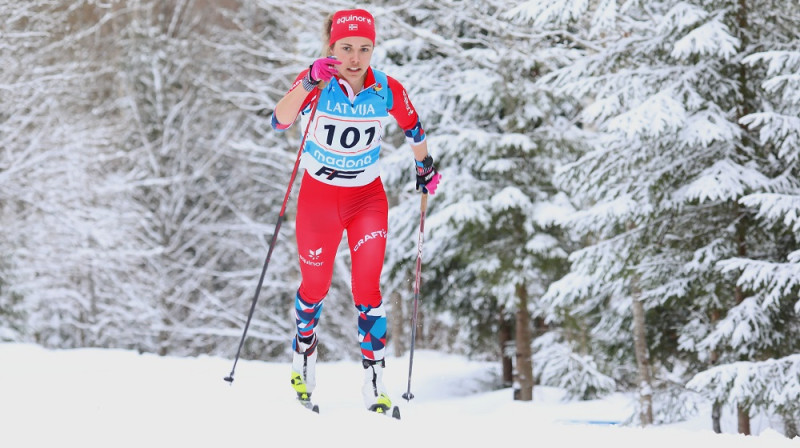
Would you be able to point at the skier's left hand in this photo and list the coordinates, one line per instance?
(427, 176)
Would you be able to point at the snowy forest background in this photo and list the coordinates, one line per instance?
(620, 207)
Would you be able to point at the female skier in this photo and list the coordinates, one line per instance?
(349, 103)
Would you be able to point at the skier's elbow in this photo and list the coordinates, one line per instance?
(277, 125)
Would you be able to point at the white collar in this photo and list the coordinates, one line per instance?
(350, 93)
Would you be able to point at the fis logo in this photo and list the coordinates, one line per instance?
(331, 173)
(377, 91)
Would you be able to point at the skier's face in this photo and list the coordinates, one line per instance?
(355, 54)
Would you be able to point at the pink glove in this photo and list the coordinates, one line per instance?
(322, 69)
(430, 187)
(427, 176)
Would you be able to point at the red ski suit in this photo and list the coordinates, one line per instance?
(341, 190)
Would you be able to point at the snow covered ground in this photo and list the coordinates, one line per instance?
(112, 398)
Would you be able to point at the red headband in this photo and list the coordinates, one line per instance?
(352, 23)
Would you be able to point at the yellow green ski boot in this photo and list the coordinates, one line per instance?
(303, 373)
(374, 392)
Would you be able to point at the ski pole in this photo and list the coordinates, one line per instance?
(423, 206)
(315, 101)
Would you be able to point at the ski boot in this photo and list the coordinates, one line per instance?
(374, 392)
(304, 360)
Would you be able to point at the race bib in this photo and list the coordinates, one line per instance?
(347, 136)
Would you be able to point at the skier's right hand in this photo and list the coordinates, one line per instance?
(322, 69)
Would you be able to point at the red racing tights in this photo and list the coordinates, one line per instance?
(324, 213)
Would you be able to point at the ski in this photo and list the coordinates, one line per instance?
(381, 409)
(309, 405)
(384, 410)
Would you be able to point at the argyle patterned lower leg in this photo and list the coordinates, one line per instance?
(306, 318)
(372, 331)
